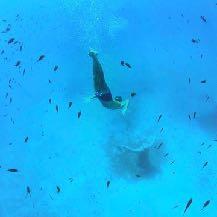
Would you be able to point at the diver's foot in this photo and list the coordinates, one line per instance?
(92, 53)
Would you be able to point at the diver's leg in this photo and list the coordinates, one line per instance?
(98, 75)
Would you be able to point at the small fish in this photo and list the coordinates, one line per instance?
(57, 108)
(206, 204)
(49, 81)
(71, 179)
(195, 114)
(13, 170)
(202, 144)
(196, 41)
(58, 189)
(6, 95)
(128, 65)
(138, 176)
(11, 40)
(160, 145)
(166, 154)
(175, 206)
(161, 130)
(172, 162)
(17, 63)
(205, 164)
(79, 114)
(209, 146)
(122, 63)
(133, 94)
(41, 58)
(188, 204)
(21, 47)
(70, 104)
(203, 19)
(108, 183)
(24, 71)
(26, 139)
(10, 100)
(2, 51)
(28, 190)
(207, 98)
(201, 56)
(189, 80)
(6, 30)
(189, 116)
(203, 81)
(55, 68)
(159, 118)
(50, 101)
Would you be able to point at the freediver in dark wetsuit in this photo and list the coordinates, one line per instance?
(102, 91)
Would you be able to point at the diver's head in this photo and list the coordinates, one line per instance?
(118, 98)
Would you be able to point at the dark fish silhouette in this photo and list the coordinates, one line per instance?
(189, 80)
(128, 65)
(159, 118)
(108, 184)
(28, 190)
(175, 206)
(196, 41)
(6, 30)
(202, 144)
(161, 130)
(206, 204)
(166, 154)
(55, 68)
(17, 63)
(79, 114)
(195, 114)
(57, 108)
(205, 164)
(209, 146)
(203, 19)
(189, 116)
(2, 51)
(201, 56)
(122, 63)
(13, 170)
(70, 104)
(50, 101)
(41, 58)
(21, 47)
(207, 98)
(188, 205)
(160, 145)
(58, 189)
(11, 40)
(133, 94)
(203, 81)
(24, 71)
(26, 139)
(49, 81)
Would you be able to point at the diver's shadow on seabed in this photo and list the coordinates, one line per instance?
(131, 164)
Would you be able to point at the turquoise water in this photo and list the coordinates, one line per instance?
(156, 160)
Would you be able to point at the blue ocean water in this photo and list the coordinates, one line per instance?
(157, 160)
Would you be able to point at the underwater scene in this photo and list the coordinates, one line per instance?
(108, 108)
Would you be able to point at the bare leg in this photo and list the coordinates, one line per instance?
(98, 75)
